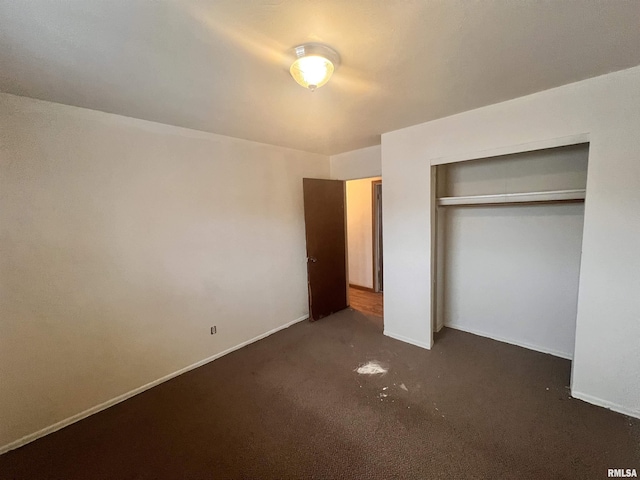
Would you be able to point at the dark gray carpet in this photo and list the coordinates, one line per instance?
(292, 406)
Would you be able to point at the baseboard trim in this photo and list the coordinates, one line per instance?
(359, 287)
(528, 346)
(125, 396)
(604, 403)
(404, 339)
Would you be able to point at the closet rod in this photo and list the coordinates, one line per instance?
(577, 195)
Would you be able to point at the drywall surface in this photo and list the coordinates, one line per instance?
(511, 273)
(360, 231)
(605, 109)
(123, 242)
(562, 168)
(362, 163)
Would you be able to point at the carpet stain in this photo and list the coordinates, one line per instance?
(373, 367)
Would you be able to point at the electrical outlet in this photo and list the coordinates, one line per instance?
(214, 330)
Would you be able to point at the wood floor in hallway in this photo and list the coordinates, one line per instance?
(369, 303)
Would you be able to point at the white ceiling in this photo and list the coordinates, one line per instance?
(220, 66)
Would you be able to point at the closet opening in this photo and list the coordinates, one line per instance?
(507, 247)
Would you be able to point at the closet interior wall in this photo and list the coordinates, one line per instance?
(510, 271)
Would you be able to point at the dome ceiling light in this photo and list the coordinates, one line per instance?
(313, 64)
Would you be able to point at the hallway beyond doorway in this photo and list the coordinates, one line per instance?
(367, 302)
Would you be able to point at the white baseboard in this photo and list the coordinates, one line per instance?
(404, 339)
(121, 398)
(604, 403)
(529, 346)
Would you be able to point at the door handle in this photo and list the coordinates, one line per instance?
(312, 259)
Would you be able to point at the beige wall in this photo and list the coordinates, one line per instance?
(122, 242)
(360, 231)
(361, 163)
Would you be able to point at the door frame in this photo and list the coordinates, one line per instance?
(376, 226)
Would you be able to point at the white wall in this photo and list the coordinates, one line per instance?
(605, 111)
(360, 231)
(511, 272)
(362, 163)
(122, 242)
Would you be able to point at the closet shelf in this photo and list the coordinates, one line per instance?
(509, 198)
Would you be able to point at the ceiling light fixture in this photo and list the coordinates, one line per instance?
(313, 64)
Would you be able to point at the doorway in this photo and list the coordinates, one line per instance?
(364, 246)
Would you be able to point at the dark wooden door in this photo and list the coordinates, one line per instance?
(324, 219)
